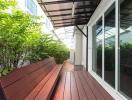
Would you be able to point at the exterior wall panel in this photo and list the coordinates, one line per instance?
(99, 12)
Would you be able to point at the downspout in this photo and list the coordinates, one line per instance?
(87, 50)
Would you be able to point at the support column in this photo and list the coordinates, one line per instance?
(78, 48)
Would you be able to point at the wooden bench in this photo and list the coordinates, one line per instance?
(32, 82)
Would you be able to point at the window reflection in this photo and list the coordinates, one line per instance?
(126, 47)
(99, 47)
(109, 66)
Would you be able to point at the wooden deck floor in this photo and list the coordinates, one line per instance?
(70, 67)
(79, 85)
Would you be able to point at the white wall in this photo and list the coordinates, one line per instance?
(72, 56)
(78, 48)
(84, 48)
(84, 51)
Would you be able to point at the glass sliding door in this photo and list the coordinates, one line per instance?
(126, 47)
(99, 38)
(109, 51)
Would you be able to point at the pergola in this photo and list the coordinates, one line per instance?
(63, 13)
(69, 12)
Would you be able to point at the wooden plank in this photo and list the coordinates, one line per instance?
(18, 74)
(67, 91)
(74, 89)
(95, 90)
(37, 89)
(87, 88)
(98, 86)
(24, 86)
(60, 88)
(82, 94)
(46, 91)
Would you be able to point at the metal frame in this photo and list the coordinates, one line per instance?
(81, 31)
(79, 7)
(87, 50)
(103, 48)
(62, 1)
(117, 46)
(82, 9)
(77, 13)
(115, 92)
(69, 19)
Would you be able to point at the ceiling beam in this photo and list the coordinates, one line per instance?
(79, 7)
(69, 25)
(83, 21)
(62, 1)
(84, 18)
(77, 13)
(60, 10)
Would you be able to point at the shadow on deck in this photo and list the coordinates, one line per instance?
(78, 85)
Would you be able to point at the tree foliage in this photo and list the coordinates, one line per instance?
(21, 39)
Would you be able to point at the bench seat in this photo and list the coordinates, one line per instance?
(45, 88)
(32, 82)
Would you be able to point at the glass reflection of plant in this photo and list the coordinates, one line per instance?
(126, 55)
(109, 55)
(126, 49)
(99, 55)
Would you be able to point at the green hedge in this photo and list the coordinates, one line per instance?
(21, 38)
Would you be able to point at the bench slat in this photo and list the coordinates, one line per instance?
(60, 88)
(21, 72)
(48, 87)
(27, 82)
(67, 91)
(37, 89)
(25, 85)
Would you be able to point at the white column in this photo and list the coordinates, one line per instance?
(78, 48)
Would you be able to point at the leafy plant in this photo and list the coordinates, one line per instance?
(21, 39)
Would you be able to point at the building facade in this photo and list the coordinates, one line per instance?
(32, 7)
(110, 47)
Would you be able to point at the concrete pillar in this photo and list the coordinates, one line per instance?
(72, 56)
(78, 48)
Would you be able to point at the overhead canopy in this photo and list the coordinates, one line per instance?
(69, 12)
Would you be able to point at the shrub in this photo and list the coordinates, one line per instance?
(21, 38)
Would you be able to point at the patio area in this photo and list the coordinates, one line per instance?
(78, 85)
(38, 36)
